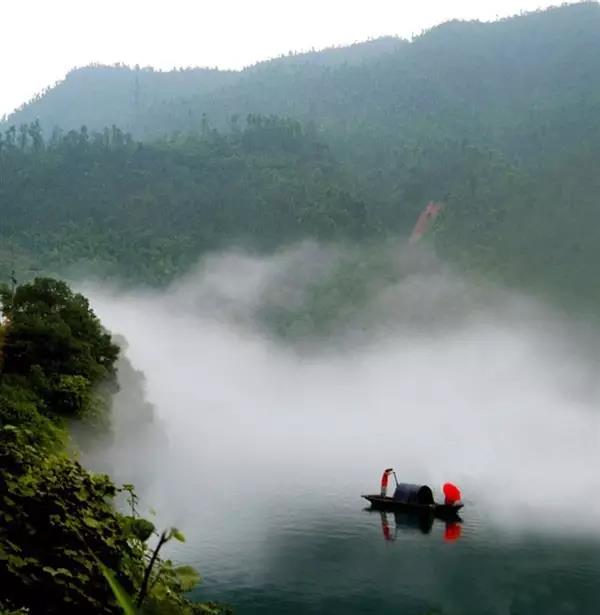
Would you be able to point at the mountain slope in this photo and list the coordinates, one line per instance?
(148, 211)
(501, 121)
(460, 80)
(97, 96)
(471, 80)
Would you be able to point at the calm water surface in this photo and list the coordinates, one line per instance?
(301, 553)
(268, 451)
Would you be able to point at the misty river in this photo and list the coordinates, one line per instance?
(269, 445)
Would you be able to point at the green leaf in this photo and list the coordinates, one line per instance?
(188, 578)
(56, 571)
(122, 597)
(141, 528)
(16, 562)
(175, 533)
(91, 522)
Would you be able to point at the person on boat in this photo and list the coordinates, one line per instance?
(451, 494)
(384, 481)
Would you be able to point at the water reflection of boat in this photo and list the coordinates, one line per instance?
(416, 498)
(433, 509)
(411, 520)
(415, 521)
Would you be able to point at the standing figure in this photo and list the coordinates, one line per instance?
(384, 481)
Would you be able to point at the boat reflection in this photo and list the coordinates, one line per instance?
(408, 521)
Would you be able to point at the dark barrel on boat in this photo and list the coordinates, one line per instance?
(420, 495)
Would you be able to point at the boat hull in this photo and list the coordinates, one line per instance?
(441, 511)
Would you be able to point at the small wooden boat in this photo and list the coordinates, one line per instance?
(441, 511)
(413, 498)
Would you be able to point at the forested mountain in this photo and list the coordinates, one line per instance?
(99, 96)
(474, 80)
(479, 81)
(148, 211)
(356, 54)
(499, 120)
(135, 98)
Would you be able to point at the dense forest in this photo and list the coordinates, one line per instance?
(499, 120)
(149, 210)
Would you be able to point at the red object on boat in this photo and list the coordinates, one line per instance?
(428, 215)
(451, 492)
(452, 532)
(384, 480)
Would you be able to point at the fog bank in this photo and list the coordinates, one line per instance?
(441, 379)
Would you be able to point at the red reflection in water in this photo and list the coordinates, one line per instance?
(385, 527)
(452, 531)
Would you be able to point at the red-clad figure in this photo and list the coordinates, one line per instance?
(451, 493)
(384, 481)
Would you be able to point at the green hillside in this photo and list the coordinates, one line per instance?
(113, 206)
(499, 120)
(99, 96)
(136, 98)
(479, 81)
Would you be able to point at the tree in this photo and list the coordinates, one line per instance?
(57, 343)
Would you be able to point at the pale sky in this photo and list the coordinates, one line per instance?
(40, 40)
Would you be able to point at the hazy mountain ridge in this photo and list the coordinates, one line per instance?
(470, 79)
(356, 53)
(100, 95)
(499, 120)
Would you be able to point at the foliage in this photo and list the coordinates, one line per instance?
(163, 585)
(123, 599)
(61, 532)
(55, 347)
(52, 511)
(21, 406)
(64, 548)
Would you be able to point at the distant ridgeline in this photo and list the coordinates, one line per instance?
(500, 121)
